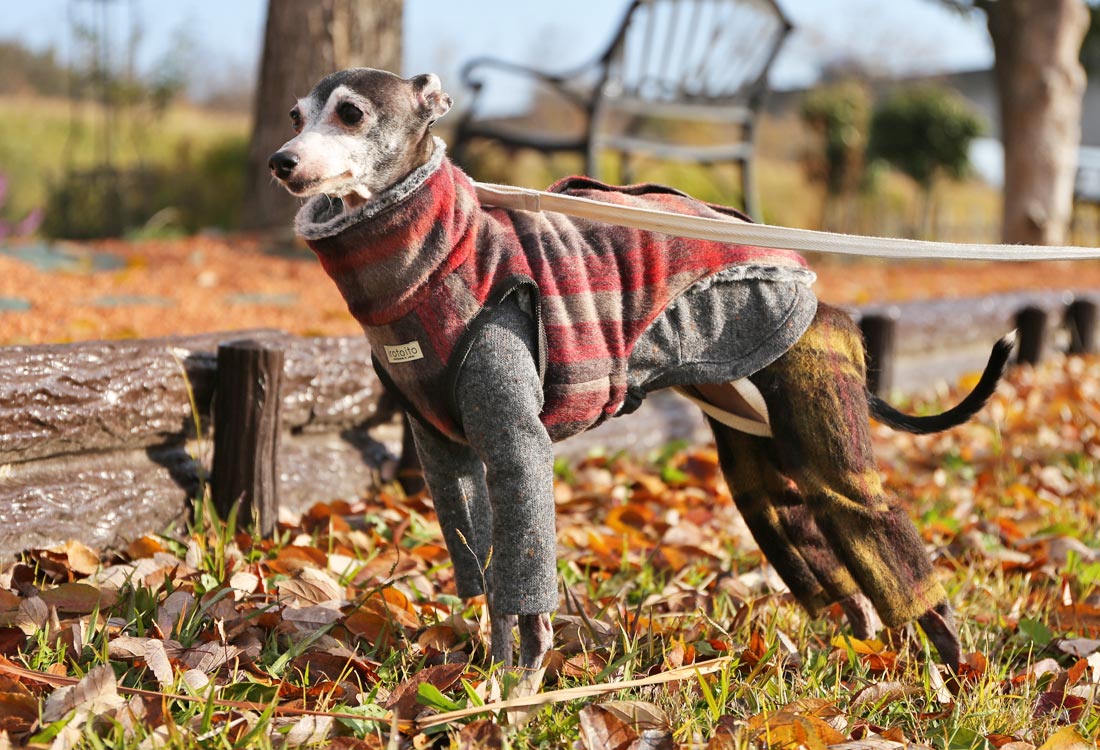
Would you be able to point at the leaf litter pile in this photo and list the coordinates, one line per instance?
(345, 632)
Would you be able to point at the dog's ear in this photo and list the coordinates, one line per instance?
(431, 100)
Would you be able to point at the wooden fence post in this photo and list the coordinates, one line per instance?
(1031, 324)
(879, 339)
(1082, 317)
(246, 432)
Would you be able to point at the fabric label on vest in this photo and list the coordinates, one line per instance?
(409, 352)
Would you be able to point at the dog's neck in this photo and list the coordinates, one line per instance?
(324, 216)
(418, 157)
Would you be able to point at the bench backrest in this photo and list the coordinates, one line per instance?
(686, 51)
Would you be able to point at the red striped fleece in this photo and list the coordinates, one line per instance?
(426, 268)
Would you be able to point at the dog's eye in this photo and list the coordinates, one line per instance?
(349, 114)
(296, 120)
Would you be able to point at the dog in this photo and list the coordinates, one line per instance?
(503, 331)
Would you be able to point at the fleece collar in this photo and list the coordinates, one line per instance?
(323, 216)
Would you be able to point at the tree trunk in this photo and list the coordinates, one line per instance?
(1040, 83)
(303, 42)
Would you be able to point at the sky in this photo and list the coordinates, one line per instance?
(221, 39)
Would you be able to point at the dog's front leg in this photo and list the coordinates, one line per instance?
(456, 481)
(499, 397)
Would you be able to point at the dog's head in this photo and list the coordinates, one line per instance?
(359, 132)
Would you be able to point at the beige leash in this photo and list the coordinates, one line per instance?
(733, 231)
(763, 235)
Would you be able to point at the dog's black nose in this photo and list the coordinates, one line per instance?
(282, 163)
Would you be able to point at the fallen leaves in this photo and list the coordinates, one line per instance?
(673, 631)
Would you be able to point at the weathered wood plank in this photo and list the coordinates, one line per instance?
(102, 499)
(109, 395)
(322, 467)
(329, 383)
(107, 499)
(103, 395)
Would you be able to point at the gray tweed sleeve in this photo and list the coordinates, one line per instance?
(499, 394)
(456, 480)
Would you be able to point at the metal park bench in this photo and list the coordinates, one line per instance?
(682, 61)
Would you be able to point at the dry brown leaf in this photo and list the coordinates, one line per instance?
(32, 616)
(439, 637)
(78, 598)
(95, 693)
(1079, 647)
(9, 601)
(172, 610)
(12, 640)
(334, 667)
(307, 731)
(312, 586)
(293, 559)
(145, 546)
(80, 558)
(481, 734)
(402, 700)
(209, 657)
(18, 712)
(244, 584)
(639, 714)
(727, 733)
(529, 684)
(603, 730)
(311, 618)
(870, 742)
(879, 694)
(156, 657)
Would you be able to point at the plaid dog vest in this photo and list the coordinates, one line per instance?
(423, 265)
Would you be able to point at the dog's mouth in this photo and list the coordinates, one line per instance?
(351, 193)
(334, 186)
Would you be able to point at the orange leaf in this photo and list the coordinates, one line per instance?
(782, 729)
(146, 546)
(859, 646)
(1067, 738)
(294, 558)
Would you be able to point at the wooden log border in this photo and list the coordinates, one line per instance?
(104, 441)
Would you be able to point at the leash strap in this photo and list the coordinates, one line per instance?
(736, 232)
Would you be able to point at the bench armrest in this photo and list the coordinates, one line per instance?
(559, 81)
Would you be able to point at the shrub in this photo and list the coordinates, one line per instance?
(203, 190)
(923, 132)
(838, 115)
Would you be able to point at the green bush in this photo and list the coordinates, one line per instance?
(192, 192)
(838, 115)
(923, 132)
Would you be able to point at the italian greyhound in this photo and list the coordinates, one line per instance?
(503, 331)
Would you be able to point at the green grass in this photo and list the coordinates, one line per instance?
(41, 138)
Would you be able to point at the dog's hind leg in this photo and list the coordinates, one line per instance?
(816, 396)
(785, 529)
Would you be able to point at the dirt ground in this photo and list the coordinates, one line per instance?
(154, 288)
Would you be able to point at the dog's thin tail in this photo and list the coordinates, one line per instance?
(961, 412)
